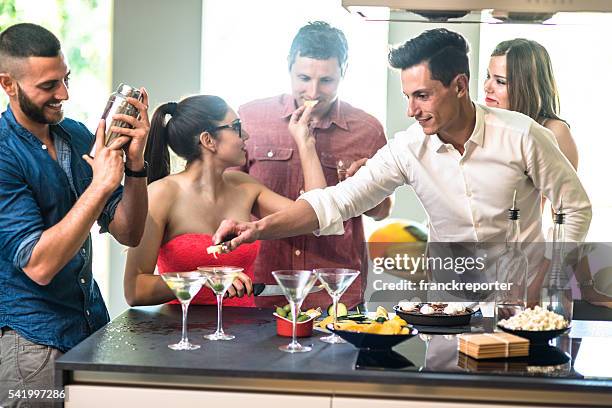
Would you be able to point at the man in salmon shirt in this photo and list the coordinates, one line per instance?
(317, 63)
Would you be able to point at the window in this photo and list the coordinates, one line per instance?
(247, 59)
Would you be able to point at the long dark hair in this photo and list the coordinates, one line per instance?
(532, 89)
(189, 118)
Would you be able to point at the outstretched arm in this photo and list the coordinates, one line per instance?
(297, 219)
(326, 209)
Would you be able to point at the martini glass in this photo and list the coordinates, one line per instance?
(185, 285)
(335, 281)
(220, 279)
(295, 285)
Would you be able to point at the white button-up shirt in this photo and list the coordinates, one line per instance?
(466, 197)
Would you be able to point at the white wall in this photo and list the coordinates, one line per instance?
(156, 44)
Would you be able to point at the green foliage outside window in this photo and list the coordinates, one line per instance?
(83, 28)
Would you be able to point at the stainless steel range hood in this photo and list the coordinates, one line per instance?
(506, 10)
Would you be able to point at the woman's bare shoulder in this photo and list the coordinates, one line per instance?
(236, 177)
(163, 192)
(564, 138)
(557, 127)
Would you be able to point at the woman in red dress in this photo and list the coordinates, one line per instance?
(186, 208)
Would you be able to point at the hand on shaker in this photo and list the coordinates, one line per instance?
(244, 232)
(299, 126)
(139, 132)
(107, 166)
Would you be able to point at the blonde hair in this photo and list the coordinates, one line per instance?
(532, 89)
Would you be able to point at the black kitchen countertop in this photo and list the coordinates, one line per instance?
(134, 347)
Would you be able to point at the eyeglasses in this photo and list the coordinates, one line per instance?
(235, 125)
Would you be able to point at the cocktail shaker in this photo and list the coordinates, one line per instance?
(118, 104)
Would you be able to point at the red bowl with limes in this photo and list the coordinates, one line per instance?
(284, 327)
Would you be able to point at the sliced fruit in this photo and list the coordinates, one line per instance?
(314, 312)
(215, 250)
(342, 310)
(356, 317)
(381, 314)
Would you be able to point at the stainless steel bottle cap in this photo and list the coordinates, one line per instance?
(127, 90)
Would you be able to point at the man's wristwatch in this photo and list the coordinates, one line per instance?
(589, 283)
(139, 173)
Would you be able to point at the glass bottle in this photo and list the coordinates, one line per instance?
(511, 269)
(557, 293)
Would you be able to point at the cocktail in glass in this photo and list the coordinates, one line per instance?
(219, 278)
(185, 286)
(295, 285)
(336, 281)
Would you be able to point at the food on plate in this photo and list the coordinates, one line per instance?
(396, 325)
(427, 309)
(342, 310)
(454, 308)
(406, 306)
(381, 314)
(433, 308)
(536, 319)
(381, 324)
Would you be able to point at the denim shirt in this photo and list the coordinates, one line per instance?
(36, 194)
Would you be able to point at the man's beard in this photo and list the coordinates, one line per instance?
(36, 113)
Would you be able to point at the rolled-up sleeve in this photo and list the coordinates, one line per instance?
(21, 223)
(555, 177)
(376, 180)
(108, 213)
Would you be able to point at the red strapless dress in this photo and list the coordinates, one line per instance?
(188, 251)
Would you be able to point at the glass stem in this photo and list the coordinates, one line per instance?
(294, 311)
(184, 306)
(335, 299)
(219, 306)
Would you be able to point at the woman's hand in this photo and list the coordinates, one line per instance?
(241, 285)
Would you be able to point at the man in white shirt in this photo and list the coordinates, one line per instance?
(462, 159)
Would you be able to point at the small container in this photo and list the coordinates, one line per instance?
(284, 327)
(118, 104)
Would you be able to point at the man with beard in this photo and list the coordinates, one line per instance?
(51, 193)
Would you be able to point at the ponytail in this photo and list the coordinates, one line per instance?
(181, 133)
(156, 151)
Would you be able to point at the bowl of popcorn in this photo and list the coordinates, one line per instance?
(538, 325)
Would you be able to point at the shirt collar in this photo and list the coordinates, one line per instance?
(478, 133)
(476, 137)
(335, 114)
(23, 132)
